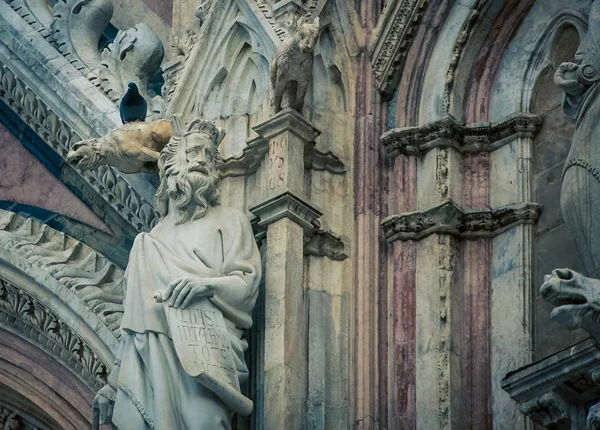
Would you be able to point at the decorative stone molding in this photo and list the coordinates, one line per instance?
(30, 318)
(287, 205)
(557, 389)
(95, 280)
(448, 132)
(457, 51)
(77, 26)
(392, 39)
(35, 13)
(107, 182)
(450, 218)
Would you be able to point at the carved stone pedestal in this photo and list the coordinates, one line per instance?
(288, 217)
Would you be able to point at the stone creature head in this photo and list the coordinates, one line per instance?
(188, 168)
(88, 154)
(131, 148)
(306, 34)
(575, 297)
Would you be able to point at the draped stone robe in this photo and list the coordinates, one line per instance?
(153, 389)
(580, 193)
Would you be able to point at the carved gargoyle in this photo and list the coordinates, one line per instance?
(291, 70)
(132, 148)
(577, 300)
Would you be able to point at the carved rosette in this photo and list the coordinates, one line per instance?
(452, 219)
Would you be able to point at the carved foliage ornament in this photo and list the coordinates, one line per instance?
(392, 39)
(448, 132)
(30, 318)
(452, 219)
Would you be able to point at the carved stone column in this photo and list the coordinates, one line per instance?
(288, 216)
(455, 227)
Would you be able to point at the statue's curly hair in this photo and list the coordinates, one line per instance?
(192, 192)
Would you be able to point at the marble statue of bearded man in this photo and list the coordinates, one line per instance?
(199, 250)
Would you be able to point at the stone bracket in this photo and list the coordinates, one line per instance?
(320, 161)
(448, 132)
(248, 162)
(318, 242)
(392, 39)
(450, 218)
(325, 243)
(548, 409)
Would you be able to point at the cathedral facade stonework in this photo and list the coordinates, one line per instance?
(369, 214)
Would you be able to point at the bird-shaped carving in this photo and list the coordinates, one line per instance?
(133, 107)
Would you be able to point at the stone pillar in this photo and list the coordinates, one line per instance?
(288, 216)
(438, 299)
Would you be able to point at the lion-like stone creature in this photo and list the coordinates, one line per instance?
(132, 148)
(291, 70)
(577, 300)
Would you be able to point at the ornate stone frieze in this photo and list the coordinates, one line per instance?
(30, 318)
(558, 389)
(107, 182)
(448, 132)
(93, 278)
(452, 219)
(391, 40)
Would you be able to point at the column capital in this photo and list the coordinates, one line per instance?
(288, 120)
(287, 205)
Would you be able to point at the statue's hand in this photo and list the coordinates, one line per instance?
(103, 406)
(565, 79)
(183, 290)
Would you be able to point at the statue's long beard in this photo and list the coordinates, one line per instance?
(191, 193)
